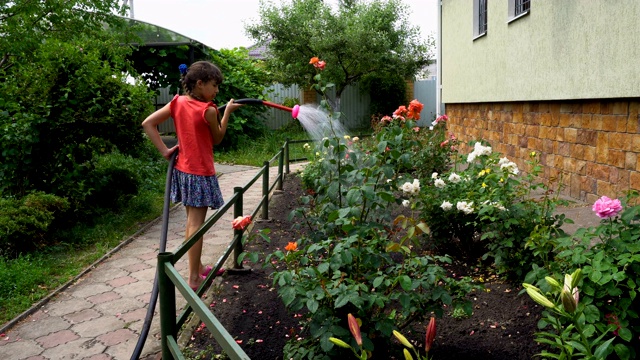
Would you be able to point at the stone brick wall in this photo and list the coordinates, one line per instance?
(592, 146)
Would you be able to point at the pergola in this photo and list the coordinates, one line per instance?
(160, 52)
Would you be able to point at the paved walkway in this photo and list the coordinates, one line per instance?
(100, 315)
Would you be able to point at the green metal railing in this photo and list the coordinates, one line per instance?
(169, 279)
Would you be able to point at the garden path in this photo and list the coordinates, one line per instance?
(99, 314)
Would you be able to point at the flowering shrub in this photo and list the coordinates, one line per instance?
(486, 209)
(573, 334)
(609, 256)
(426, 150)
(357, 259)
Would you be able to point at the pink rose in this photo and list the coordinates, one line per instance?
(606, 208)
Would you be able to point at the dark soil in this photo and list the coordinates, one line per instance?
(502, 325)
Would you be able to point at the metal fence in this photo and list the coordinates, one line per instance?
(170, 281)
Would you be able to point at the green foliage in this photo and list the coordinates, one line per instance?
(355, 40)
(609, 256)
(571, 320)
(355, 259)
(62, 108)
(242, 79)
(26, 222)
(487, 208)
(25, 25)
(386, 91)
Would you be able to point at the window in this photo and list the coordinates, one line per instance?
(479, 18)
(518, 9)
(522, 6)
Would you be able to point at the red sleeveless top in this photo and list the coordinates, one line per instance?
(194, 136)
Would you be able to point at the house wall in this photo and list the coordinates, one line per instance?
(592, 146)
(567, 49)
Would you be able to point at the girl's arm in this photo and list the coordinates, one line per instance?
(150, 126)
(218, 129)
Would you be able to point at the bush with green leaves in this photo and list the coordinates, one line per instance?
(572, 333)
(484, 207)
(243, 78)
(609, 256)
(356, 257)
(25, 222)
(62, 108)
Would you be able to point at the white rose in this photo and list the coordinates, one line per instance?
(406, 203)
(446, 206)
(454, 178)
(439, 183)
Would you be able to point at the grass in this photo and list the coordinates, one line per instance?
(257, 151)
(31, 277)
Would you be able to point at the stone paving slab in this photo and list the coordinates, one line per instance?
(100, 315)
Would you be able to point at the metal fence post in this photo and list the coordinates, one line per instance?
(265, 191)
(286, 156)
(237, 233)
(280, 174)
(167, 295)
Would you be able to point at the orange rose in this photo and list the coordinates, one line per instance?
(291, 246)
(314, 60)
(241, 222)
(415, 107)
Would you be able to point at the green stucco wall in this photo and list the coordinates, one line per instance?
(563, 49)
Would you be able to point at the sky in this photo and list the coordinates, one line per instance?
(220, 23)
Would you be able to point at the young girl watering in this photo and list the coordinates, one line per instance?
(198, 128)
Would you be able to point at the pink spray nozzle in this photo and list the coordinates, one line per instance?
(295, 111)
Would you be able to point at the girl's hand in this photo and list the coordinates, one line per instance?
(232, 106)
(169, 152)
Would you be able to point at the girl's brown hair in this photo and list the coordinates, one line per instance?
(200, 70)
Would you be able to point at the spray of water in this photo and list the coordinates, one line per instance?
(318, 124)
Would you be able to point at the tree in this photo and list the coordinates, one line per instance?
(25, 24)
(63, 94)
(355, 39)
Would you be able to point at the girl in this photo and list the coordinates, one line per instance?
(198, 127)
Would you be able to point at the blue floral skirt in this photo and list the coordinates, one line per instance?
(196, 190)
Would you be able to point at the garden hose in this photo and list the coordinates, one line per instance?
(163, 244)
(294, 110)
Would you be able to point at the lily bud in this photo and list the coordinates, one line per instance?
(568, 301)
(553, 282)
(536, 296)
(431, 334)
(407, 354)
(576, 277)
(402, 339)
(339, 342)
(355, 329)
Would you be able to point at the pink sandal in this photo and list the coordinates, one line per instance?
(206, 271)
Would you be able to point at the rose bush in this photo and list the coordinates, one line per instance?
(609, 256)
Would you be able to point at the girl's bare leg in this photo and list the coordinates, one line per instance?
(195, 218)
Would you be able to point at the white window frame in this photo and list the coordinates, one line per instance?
(512, 16)
(477, 33)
